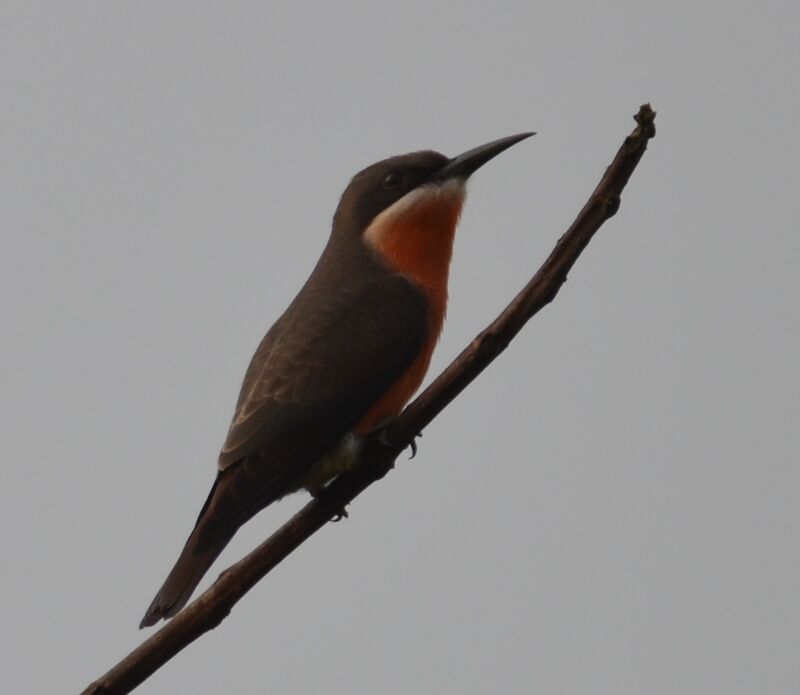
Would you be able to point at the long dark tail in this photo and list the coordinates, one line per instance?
(181, 582)
(236, 496)
(206, 541)
(212, 531)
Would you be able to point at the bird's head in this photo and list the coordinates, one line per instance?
(402, 188)
(405, 209)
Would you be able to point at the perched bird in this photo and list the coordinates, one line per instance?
(347, 354)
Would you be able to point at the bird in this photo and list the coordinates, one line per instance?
(347, 354)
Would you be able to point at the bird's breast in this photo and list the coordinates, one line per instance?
(415, 237)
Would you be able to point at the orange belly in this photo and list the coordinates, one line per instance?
(416, 241)
(392, 402)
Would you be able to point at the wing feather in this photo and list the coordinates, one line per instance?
(321, 366)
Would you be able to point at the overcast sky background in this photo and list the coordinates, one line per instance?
(611, 508)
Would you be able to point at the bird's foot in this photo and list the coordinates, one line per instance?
(338, 512)
(413, 446)
(383, 438)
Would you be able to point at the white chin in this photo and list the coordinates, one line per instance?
(451, 188)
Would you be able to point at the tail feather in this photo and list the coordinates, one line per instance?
(181, 582)
(232, 501)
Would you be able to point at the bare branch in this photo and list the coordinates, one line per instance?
(211, 608)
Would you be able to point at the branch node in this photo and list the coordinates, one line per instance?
(611, 205)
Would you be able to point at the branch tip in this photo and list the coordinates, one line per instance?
(645, 117)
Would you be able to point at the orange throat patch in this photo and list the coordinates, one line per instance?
(415, 237)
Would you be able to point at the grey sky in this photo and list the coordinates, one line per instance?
(612, 507)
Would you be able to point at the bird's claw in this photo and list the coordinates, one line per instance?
(338, 512)
(383, 438)
(413, 446)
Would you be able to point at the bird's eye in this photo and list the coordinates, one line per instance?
(393, 180)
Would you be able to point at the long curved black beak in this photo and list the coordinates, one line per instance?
(466, 164)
